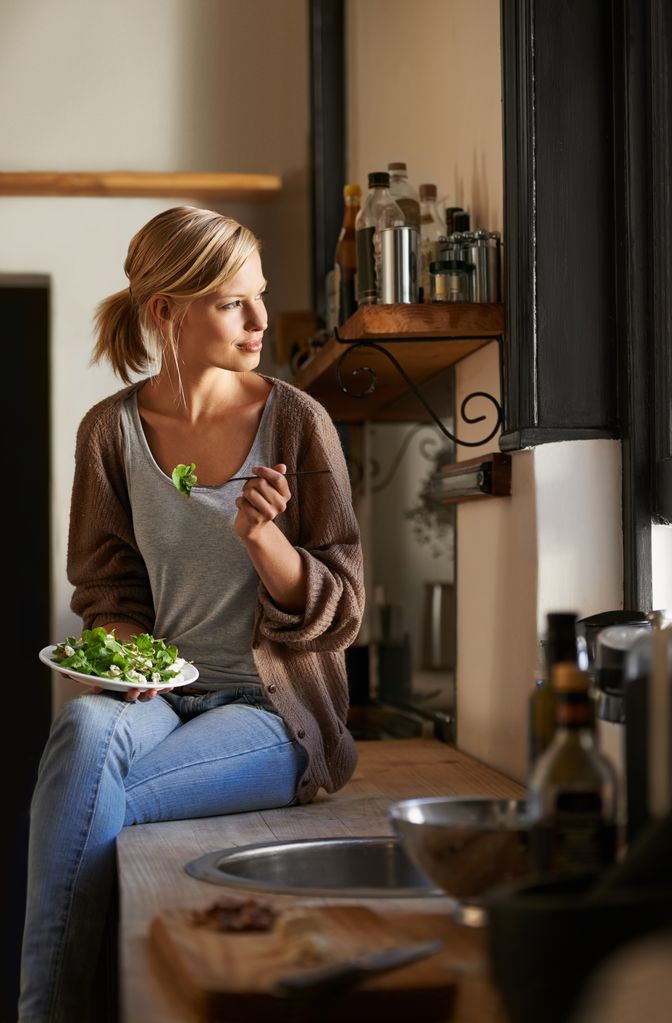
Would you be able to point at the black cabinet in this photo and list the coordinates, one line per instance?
(587, 93)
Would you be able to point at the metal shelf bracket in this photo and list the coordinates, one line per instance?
(361, 343)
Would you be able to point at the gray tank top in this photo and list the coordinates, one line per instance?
(203, 582)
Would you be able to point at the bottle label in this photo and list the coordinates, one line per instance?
(576, 839)
(366, 267)
(346, 298)
(411, 210)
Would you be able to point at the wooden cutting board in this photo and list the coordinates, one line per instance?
(228, 976)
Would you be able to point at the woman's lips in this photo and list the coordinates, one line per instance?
(250, 346)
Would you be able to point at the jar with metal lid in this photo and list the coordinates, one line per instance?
(449, 281)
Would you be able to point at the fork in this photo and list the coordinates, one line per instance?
(301, 472)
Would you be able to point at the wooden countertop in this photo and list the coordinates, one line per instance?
(152, 857)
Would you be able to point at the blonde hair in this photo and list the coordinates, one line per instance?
(181, 254)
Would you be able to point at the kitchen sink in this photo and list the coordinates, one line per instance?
(349, 867)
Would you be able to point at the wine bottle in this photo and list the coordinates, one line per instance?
(559, 644)
(572, 789)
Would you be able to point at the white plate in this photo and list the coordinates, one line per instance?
(188, 674)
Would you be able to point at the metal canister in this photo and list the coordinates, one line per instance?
(399, 265)
(493, 244)
(481, 249)
(475, 254)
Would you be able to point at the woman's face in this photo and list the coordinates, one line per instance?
(225, 329)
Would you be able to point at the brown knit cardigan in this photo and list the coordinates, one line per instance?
(300, 658)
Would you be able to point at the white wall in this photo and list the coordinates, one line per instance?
(160, 85)
(424, 87)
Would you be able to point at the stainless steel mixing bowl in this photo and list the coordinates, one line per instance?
(467, 846)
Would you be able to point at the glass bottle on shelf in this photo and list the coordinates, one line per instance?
(572, 795)
(404, 194)
(345, 262)
(559, 644)
(379, 210)
(431, 230)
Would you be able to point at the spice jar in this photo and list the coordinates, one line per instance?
(450, 281)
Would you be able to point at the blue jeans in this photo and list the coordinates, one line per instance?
(108, 764)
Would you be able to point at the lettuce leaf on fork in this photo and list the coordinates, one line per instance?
(184, 478)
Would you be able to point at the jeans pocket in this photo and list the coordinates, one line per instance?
(253, 696)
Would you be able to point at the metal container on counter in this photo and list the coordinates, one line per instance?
(399, 265)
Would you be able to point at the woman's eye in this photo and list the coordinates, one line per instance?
(262, 295)
(232, 305)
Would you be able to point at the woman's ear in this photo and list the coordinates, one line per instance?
(161, 309)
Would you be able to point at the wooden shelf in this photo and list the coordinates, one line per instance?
(141, 184)
(424, 339)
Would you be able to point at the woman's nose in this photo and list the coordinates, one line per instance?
(257, 317)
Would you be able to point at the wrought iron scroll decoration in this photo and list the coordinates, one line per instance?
(354, 346)
(376, 487)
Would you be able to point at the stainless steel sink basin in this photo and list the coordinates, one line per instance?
(348, 867)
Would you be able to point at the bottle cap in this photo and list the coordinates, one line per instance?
(567, 677)
(427, 191)
(378, 178)
(461, 221)
(351, 190)
(396, 167)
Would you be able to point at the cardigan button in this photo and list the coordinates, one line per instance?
(301, 734)
(272, 688)
(305, 781)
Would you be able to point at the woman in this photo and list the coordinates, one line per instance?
(258, 583)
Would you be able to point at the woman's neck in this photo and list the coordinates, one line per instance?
(200, 397)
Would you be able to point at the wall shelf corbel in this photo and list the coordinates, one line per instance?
(426, 338)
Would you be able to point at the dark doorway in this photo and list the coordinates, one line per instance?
(24, 323)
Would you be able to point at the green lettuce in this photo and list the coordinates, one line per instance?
(143, 660)
(184, 478)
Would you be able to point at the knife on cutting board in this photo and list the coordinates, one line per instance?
(349, 972)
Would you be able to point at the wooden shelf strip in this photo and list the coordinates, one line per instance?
(206, 185)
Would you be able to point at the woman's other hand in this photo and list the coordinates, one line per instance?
(141, 695)
(277, 562)
(130, 695)
(262, 500)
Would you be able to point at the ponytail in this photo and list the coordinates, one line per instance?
(119, 336)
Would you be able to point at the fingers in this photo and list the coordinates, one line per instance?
(141, 695)
(266, 496)
(272, 479)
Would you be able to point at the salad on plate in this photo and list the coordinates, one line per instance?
(142, 661)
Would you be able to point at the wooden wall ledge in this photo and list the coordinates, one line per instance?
(141, 184)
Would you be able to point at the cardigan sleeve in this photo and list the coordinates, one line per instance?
(104, 564)
(329, 544)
